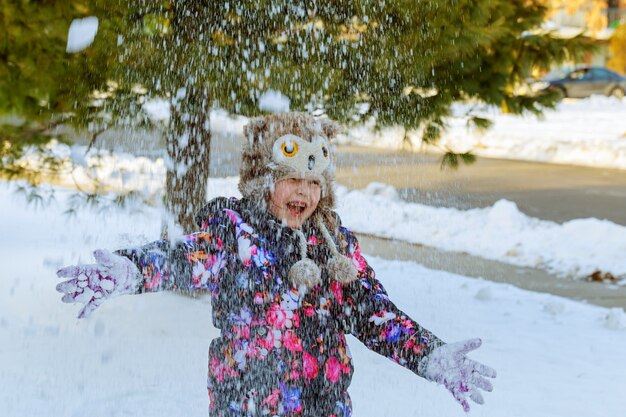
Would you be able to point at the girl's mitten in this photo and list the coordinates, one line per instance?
(92, 284)
(462, 376)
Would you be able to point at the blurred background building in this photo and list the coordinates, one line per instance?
(602, 20)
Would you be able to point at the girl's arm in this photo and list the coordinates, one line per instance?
(385, 329)
(192, 262)
(377, 322)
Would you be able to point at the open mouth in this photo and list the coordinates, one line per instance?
(296, 208)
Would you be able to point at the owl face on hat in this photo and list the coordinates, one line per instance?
(308, 159)
(288, 145)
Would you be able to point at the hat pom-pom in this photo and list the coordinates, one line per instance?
(305, 274)
(342, 270)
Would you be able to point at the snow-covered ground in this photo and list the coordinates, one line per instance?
(96, 168)
(146, 355)
(589, 132)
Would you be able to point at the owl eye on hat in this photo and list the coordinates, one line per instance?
(296, 145)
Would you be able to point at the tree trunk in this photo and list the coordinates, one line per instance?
(189, 135)
(189, 151)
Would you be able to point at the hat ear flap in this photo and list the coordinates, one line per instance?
(330, 128)
(254, 130)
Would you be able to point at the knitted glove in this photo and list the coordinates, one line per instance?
(92, 284)
(462, 376)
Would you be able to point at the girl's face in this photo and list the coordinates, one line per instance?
(294, 200)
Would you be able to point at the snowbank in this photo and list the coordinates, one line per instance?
(113, 171)
(147, 355)
(574, 249)
(589, 132)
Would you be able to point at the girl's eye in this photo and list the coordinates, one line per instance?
(290, 148)
(325, 151)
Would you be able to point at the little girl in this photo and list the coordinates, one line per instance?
(287, 283)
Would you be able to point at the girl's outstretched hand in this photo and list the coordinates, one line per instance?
(462, 376)
(92, 284)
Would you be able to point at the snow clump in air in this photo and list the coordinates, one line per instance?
(81, 34)
(273, 101)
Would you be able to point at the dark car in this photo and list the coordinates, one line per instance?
(583, 82)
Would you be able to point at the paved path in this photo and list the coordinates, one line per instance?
(546, 191)
(527, 278)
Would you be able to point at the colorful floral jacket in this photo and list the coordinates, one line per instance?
(280, 353)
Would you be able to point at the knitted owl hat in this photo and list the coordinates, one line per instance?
(296, 145)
